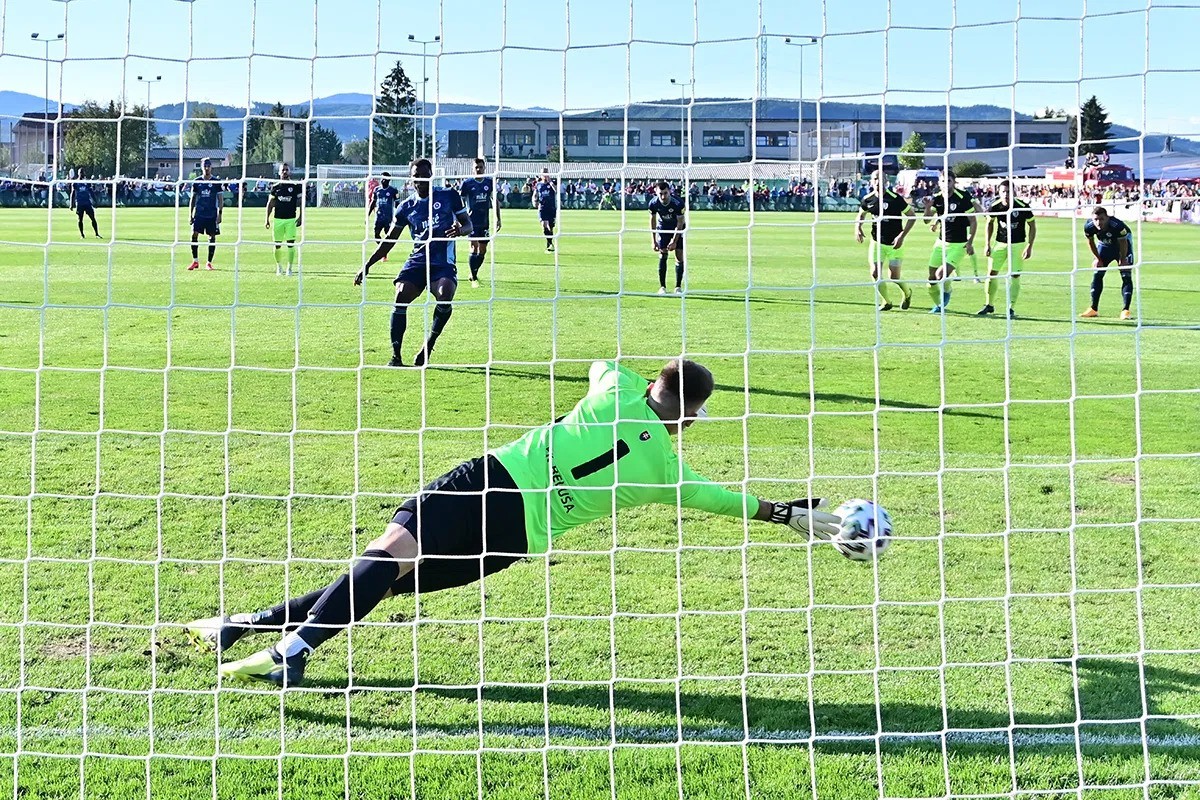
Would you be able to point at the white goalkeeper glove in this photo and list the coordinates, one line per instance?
(804, 515)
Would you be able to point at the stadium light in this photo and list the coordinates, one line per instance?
(37, 37)
(149, 82)
(683, 86)
(811, 40)
(424, 80)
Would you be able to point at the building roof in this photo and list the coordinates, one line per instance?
(784, 110)
(188, 153)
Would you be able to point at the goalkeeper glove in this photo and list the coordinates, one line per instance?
(803, 515)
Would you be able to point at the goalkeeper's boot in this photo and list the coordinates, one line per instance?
(986, 311)
(907, 301)
(194, 265)
(214, 634)
(268, 666)
(1126, 314)
(208, 266)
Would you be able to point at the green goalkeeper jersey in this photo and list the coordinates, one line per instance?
(610, 452)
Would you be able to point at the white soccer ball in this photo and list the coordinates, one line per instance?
(866, 530)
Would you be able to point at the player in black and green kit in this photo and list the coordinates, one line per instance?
(953, 214)
(1008, 218)
(613, 451)
(894, 218)
(287, 199)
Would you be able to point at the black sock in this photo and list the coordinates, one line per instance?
(212, 251)
(81, 226)
(1097, 288)
(441, 315)
(549, 241)
(399, 323)
(286, 616)
(476, 261)
(678, 274)
(351, 597)
(195, 252)
(1127, 287)
(662, 270)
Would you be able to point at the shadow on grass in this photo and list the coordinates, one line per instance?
(820, 397)
(1109, 690)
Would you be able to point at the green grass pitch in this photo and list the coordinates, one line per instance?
(178, 442)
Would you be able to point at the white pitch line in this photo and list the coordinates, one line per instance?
(563, 735)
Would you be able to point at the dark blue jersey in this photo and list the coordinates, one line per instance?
(385, 201)
(1109, 238)
(205, 194)
(429, 220)
(547, 196)
(669, 213)
(83, 195)
(477, 197)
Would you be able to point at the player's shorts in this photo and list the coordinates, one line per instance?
(382, 225)
(206, 227)
(285, 230)
(664, 241)
(954, 253)
(885, 254)
(89, 210)
(1001, 253)
(550, 215)
(1111, 255)
(481, 227)
(472, 509)
(422, 274)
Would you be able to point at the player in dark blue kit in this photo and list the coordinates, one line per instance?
(479, 196)
(383, 205)
(1110, 240)
(666, 229)
(204, 212)
(545, 198)
(82, 203)
(435, 217)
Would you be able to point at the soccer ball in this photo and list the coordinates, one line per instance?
(866, 530)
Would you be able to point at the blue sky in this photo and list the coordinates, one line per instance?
(589, 53)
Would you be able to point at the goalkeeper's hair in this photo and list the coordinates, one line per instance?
(685, 379)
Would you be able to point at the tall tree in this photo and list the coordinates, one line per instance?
(203, 130)
(395, 133)
(355, 151)
(1093, 127)
(93, 144)
(915, 145)
(325, 146)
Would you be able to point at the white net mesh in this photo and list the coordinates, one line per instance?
(175, 443)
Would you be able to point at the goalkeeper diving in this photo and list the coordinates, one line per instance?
(613, 451)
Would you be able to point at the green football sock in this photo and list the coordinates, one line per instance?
(992, 285)
(904, 290)
(291, 256)
(1014, 290)
(279, 256)
(974, 265)
(935, 292)
(881, 289)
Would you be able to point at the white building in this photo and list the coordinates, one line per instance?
(726, 131)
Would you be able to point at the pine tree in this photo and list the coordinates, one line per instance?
(916, 145)
(1093, 127)
(324, 143)
(395, 137)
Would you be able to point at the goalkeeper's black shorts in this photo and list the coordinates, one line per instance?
(468, 523)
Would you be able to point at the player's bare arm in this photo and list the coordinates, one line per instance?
(270, 210)
(385, 247)
(1032, 228)
(858, 225)
(909, 222)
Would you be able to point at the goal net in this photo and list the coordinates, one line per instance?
(177, 443)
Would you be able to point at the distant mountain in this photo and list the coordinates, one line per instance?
(13, 105)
